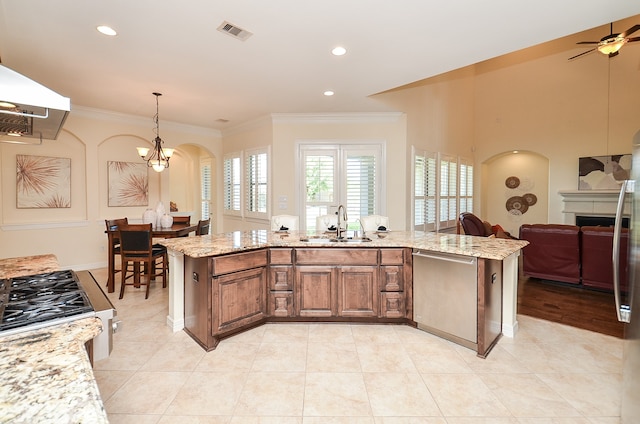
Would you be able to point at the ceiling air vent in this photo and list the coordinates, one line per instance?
(234, 31)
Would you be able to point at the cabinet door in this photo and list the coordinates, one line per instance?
(281, 277)
(197, 309)
(238, 299)
(281, 303)
(392, 305)
(392, 278)
(315, 291)
(358, 291)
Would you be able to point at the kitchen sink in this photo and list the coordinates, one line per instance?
(335, 240)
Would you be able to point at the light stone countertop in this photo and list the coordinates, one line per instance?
(239, 241)
(46, 377)
(27, 265)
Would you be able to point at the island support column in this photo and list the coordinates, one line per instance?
(510, 295)
(175, 319)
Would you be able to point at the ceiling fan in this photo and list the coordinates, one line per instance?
(612, 43)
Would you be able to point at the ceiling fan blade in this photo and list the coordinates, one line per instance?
(581, 54)
(631, 40)
(587, 42)
(613, 54)
(629, 31)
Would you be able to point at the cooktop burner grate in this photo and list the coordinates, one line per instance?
(39, 298)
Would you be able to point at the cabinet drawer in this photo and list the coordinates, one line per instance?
(333, 256)
(238, 262)
(391, 256)
(280, 256)
(281, 304)
(392, 278)
(281, 277)
(392, 305)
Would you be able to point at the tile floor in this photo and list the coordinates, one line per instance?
(338, 373)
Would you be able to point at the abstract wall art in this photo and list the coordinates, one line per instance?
(128, 184)
(603, 172)
(43, 182)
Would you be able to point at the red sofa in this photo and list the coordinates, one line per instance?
(571, 254)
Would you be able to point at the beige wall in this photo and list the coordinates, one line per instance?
(90, 138)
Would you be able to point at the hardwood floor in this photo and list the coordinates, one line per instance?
(563, 303)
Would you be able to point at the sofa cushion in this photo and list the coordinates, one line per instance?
(553, 252)
(596, 251)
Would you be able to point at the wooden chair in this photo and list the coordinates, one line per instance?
(203, 227)
(136, 247)
(291, 222)
(114, 247)
(182, 220)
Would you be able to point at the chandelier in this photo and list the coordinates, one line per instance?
(159, 158)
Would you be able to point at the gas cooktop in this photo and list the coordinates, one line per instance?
(40, 300)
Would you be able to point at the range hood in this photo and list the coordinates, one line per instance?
(29, 109)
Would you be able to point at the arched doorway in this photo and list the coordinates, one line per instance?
(192, 186)
(515, 187)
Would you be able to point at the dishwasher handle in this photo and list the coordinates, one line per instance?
(465, 260)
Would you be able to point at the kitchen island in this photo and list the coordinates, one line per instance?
(265, 275)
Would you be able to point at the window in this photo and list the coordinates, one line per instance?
(205, 189)
(256, 180)
(442, 189)
(448, 193)
(347, 174)
(232, 184)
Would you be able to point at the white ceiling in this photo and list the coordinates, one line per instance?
(173, 47)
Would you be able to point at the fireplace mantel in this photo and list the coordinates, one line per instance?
(590, 202)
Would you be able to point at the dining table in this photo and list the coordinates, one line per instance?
(176, 230)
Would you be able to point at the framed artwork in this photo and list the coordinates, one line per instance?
(128, 183)
(43, 182)
(603, 172)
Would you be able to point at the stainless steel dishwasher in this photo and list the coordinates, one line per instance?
(458, 298)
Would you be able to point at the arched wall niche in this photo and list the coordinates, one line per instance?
(66, 146)
(185, 181)
(515, 189)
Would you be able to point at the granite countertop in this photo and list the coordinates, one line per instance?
(239, 241)
(46, 377)
(27, 265)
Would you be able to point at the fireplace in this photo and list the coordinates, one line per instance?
(592, 207)
(599, 221)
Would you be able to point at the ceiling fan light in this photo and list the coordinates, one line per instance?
(611, 45)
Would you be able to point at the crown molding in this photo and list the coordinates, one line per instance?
(337, 118)
(110, 116)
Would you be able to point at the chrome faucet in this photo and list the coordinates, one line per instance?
(344, 217)
(364, 233)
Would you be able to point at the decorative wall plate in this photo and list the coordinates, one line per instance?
(517, 203)
(512, 182)
(530, 198)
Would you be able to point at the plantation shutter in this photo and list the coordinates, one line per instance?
(232, 184)
(205, 189)
(361, 182)
(256, 178)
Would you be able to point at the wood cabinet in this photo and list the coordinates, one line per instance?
(281, 282)
(227, 294)
(224, 295)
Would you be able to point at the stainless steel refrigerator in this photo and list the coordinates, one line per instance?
(627, 294)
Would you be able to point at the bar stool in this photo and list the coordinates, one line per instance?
(203, 227)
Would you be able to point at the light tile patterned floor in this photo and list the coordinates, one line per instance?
(337, 373)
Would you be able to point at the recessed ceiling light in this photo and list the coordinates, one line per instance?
(106, 30)
(329, 93)
(338, 51)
